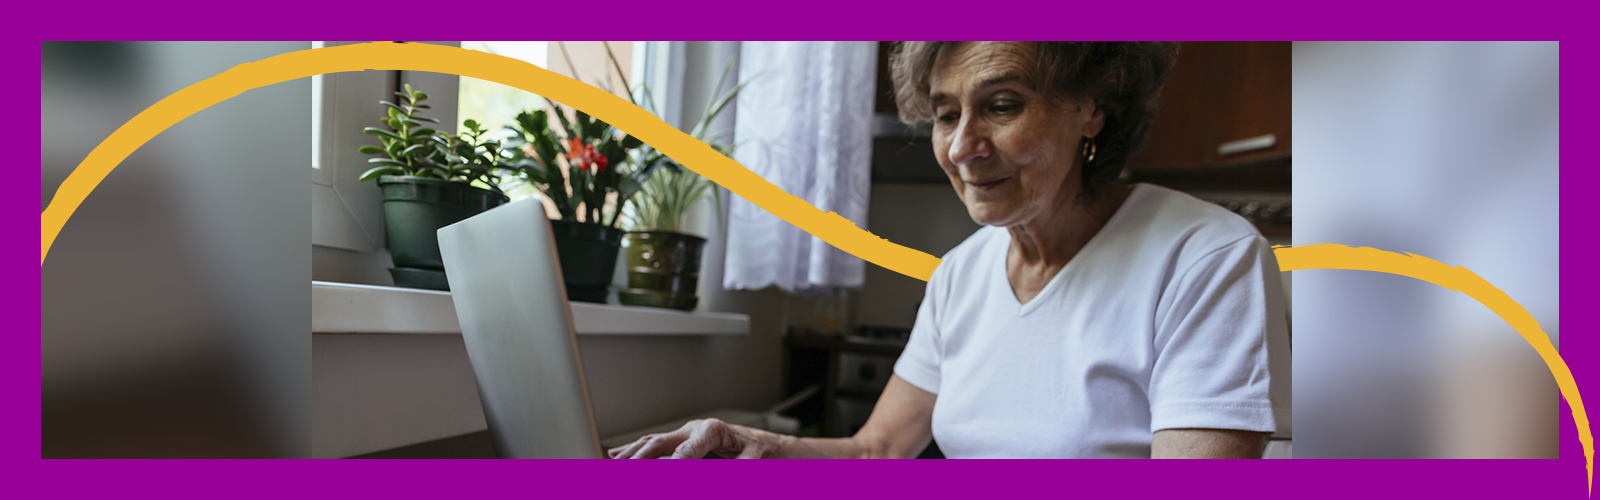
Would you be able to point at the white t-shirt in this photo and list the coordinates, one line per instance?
(1171, 317)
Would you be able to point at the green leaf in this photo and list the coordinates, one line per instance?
(381, 171)
(470, 123)
(535, 176)
(371, 150)
(423, 133)
(585, 123)
(421, 96)
(394, 113)
(560, 116)
(631, 142)
(628, 185)
(412, 149)
(387, 161)
(394, 108)
(382, 133)
(535, 123)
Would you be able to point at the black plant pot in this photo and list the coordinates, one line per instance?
(414, 208)
(588, 253)
(663, 269)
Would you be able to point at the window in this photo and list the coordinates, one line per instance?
(347, 216)
(496, 106)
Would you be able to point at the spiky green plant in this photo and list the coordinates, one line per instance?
(665, 197)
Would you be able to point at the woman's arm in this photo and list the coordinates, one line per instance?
(901, 425)
(1207, 443)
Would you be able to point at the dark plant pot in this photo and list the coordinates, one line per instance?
(657, 298)
(414, 208)
(588, 253)
(663, 269)
(427, 279)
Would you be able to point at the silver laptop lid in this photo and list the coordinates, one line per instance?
(507, 287)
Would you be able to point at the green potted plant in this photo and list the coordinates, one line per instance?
(429, 180)
(664, 262)
(584, 169)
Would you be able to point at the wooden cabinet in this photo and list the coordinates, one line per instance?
(1226, 104)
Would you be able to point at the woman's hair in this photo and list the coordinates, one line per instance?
(1122, 78)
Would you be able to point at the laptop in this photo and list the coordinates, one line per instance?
(507, 286)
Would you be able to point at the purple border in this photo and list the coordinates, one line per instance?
(825, 20)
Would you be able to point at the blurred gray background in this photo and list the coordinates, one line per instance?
(175, 303)
(1449, 151)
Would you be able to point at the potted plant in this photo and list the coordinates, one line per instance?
(663, 262)
(429, 180)
(584, 169)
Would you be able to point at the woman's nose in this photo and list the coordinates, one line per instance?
(970, 143)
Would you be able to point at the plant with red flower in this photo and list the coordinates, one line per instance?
(591, 170)
(581, 165)
(583, 155)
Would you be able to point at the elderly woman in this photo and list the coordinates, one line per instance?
(1088, 318)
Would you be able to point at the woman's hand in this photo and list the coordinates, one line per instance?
(900, 427)
(698, 438)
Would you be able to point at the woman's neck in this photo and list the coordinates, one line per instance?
(1052, 239)
(1041, 247)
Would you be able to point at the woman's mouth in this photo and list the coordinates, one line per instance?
(986, 184)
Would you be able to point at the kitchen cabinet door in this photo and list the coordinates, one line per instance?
(1225, 104)
(1182, 131)
(1254, 98)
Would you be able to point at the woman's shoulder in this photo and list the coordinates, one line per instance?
(1187, 221)
(965, 258)
(976, 244)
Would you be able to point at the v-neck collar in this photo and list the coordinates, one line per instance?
(1023, 308)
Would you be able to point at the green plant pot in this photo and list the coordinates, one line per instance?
(665, 262)
(588, 255)
(414, 208)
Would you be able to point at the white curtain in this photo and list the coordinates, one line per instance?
(803, 122)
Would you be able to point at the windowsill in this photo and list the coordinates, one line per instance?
(350, 308)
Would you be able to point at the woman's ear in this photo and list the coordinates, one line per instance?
(1097, 120)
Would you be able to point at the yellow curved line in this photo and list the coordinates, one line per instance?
(829, 227)
(1460, 280)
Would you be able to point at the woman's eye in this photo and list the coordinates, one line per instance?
(1005, 108)
(949, 117)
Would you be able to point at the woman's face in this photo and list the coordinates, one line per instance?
(1011, 152)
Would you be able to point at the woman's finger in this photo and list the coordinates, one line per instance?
(705, 436)
(627, 450)
(697, 446)
(655, 446)
(751, 450)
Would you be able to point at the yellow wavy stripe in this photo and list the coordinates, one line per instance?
(1461, 280)
(696, 155)
(699, 156)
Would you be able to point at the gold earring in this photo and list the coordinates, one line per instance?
(1088, 150)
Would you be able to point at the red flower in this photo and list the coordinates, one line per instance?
(582, 155)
